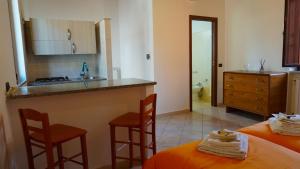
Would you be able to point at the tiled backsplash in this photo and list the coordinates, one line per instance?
(63, 65)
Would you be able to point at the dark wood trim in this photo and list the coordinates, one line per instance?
(285, 51)
(214, 79)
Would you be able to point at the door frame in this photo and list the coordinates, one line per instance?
(214, 66)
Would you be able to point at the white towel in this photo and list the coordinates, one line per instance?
(283, 127)
(224, 135)
(237, 153)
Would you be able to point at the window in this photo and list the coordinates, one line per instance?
(291, 47)
(18, 38)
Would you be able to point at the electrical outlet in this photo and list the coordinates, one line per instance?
(148, 56)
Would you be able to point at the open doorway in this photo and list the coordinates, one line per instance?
(203, 61)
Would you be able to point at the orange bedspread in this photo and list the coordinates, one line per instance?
(262, 155)
(263, 130)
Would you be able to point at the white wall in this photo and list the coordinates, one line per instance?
(7, 72)
(171, 48)
(254, 31)
(135, 21)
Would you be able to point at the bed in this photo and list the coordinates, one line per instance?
(262, 154)
(263, 130)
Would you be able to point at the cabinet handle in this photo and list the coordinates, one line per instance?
(74, 48)
(69, 34)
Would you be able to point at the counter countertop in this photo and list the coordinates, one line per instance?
(75, 87)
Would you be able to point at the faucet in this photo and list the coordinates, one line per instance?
(84, 71)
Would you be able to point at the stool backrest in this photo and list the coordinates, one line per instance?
(148, 108)
(41, 118)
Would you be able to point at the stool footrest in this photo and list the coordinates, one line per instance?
(126, 158)
(38, 154)
(126, 143)
(66, 159)
(138, 130)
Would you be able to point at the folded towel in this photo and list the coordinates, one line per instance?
(237, 149)
(284, 127)
(224, 135)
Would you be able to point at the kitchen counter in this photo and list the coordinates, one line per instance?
(91, 107)
(75, 87)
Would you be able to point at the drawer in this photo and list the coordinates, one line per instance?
(246, 96)
(246, 79)
(251, 106)
(244, 87)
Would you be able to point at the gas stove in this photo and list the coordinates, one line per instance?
(49, 81)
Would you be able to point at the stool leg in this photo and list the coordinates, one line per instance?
(30, 156)
(130, 147)
(84, 152)
(154, 138)
(142, 145)
(113, 147)
(50, 158)
(60, 156)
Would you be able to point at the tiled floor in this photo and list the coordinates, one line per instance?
(182, 127)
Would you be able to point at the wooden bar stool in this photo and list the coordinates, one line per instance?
(135, 122)
(49, 136)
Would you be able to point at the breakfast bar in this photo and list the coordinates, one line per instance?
(89, 105)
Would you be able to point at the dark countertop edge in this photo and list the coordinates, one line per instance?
(80, 91)
(264, 73)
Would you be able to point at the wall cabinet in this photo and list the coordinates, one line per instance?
(61, 37)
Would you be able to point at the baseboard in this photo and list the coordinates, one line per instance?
(175, 112)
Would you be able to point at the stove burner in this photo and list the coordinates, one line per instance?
(52, 79)
(49, 80)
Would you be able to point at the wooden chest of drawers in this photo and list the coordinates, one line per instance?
(262, 93)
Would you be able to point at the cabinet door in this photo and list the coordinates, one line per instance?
(51, 47)
(50, 37)
(47, 29)
(292, 34)
(83, 37)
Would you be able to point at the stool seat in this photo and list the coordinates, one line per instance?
(59, 133)
(130, 119)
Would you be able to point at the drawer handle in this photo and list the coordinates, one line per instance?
(231, 86)
(231, 78)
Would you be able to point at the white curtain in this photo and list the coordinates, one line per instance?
(18, 36)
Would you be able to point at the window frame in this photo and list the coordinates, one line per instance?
(14, 41)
